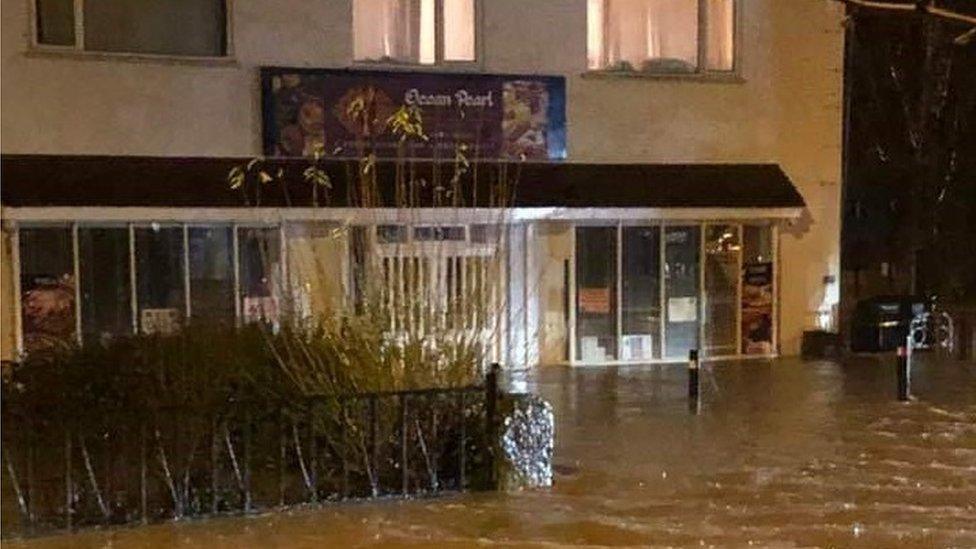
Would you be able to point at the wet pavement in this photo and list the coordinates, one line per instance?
(783, 453)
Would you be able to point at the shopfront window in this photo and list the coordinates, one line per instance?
(106, 291)
(160, 288)
(721, 298)
(596, 303)
(260, 257)
(757, 290)
(47, 285)
(211, 274)
(681, 289)
(641, 289)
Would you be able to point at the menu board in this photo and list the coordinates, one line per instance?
(757, 308)
(347, 112)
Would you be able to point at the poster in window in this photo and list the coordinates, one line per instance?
(48, 303)
(165, 321)
(260, 309)
(757, 308)
(594, 301)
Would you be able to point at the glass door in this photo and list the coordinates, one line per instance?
(681, 285)
(720, 302)
(641, 293)
(596, 294)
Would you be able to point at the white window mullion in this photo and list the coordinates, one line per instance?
(79, 10)
(77, 270)
(738, 294)
(186, 273)
(618, 268)
(662, 288)
(18, 306)
(701, 290)
(133, 289)
(235, 239)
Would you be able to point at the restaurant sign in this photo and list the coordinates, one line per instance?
(347, 112)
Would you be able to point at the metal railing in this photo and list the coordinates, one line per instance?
(249, 457)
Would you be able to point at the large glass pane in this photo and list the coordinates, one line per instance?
(721, 299)
(212, 274)
(55, 22)
(172, 27)
(641, 290)
(596, 293)
(459, 24)
(47, 286)
(261, 284)
(160, 289)
(106, 305)
(757, 290)
(681, 290)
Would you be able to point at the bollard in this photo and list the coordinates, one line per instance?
(694, 381)
(903, 371)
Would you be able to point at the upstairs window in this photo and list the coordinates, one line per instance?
(661, 36)
(189, 28)
(425, 32)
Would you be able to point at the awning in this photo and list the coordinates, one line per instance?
(561, 190)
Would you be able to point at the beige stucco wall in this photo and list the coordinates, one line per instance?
(785, 108)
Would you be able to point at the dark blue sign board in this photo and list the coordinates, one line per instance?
(494, 116)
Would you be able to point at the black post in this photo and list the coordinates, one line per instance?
(31, 449)
(143, 471)
(68, 486)
(373, 443)
(281, 457)
(344, 448)
(404, 441)
(247, 428)
(214, 459)
(313, 450)
(462, 443)
(491, 407)
(694, 379)
(903, 372)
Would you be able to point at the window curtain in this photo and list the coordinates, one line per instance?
(719, 34)
(459, 25)
(386, 29)
(651, 34)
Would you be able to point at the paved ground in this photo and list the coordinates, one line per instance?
(783, 453)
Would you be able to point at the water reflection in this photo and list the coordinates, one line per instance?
(783, 453)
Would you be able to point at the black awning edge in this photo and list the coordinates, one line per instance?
(187, 182)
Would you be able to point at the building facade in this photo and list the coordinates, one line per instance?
(647, 82)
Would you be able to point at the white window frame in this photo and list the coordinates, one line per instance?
(439, 61)
(700, 70)
(78, 48)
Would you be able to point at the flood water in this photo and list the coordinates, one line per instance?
(783, 453)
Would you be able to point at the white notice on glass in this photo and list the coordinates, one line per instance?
(682, 309)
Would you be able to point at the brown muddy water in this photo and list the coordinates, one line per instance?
(783, 453)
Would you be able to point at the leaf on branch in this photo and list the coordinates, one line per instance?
(265, 177)
(236, 177)
(318, 177)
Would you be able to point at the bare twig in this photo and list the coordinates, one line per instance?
(91, 478)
